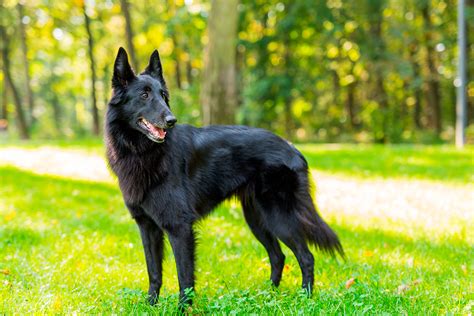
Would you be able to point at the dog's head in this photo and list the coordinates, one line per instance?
(142, 101)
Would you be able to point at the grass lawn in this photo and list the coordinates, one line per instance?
(68, 245)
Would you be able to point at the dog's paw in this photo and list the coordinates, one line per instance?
(153, 296)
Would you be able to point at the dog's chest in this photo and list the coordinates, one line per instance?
(137, 175)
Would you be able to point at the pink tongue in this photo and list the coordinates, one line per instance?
(158, 132)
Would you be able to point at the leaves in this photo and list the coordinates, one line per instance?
(325, 55)
(367, 253)
(5, 271)
(402, 288)
(350, 282)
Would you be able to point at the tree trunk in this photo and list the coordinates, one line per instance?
(288, 97)
(56, 113)
(377, 47)
(218, 96)
(171, 7)
(177, 62)
(129, 34)
(350, 104)
(383, 102)
(335, 87)
(90, 39)
(4, 111)
(417, 93)
(22, 125)
(189, 71)
(432, 91)
(106, 84)
(469, 48)
(239, 67)
(26, 65)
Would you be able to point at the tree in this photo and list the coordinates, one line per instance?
(176, 47)
(4, 110)
(26, 64)
(219, 93)
(129, 34)
(377, 55)
(22, 125)
(288, 85)
(90, 40)
(433, 96)
(374, 70)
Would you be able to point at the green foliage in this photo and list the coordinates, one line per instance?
(312, 70)
(329, 56)
(70, 246)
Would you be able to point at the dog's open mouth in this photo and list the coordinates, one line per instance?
(155, 133)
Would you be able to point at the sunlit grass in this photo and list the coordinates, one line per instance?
(87, 144)
(69, 245)
(444, 163)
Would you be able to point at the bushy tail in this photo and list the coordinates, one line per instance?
(317, 232)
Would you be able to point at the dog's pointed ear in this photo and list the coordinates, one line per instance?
(154, 67)
(123, 72)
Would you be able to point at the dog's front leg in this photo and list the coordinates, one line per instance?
(152, 239)
(183, 243)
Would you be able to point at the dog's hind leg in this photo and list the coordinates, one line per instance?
(305, 258)
(286, 228)
(271, 244)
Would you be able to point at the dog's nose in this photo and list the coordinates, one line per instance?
(170, 121)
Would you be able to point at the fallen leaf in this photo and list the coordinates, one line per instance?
(416, 282)
(349, 283)
(189, 310)
(57, 304)
(5, 271)
(402, 288)
(10, 216)
(368, 253)
(287, 268)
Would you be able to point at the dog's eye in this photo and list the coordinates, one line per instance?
(144, 95)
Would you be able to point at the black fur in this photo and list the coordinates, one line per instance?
(169, 186)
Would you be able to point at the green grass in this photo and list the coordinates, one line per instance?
(444, 163)
(70, 246)
(80, 143)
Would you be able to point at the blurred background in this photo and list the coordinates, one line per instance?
(311, 70)
(362, 74)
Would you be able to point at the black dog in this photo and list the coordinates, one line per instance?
(170, 178)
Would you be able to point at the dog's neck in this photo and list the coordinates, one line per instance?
(124, 140)
(127, 147)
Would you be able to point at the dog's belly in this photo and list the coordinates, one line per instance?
(169, 206)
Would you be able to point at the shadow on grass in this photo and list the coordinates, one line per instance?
(19, 237)
(447, 250)
(74, 205)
